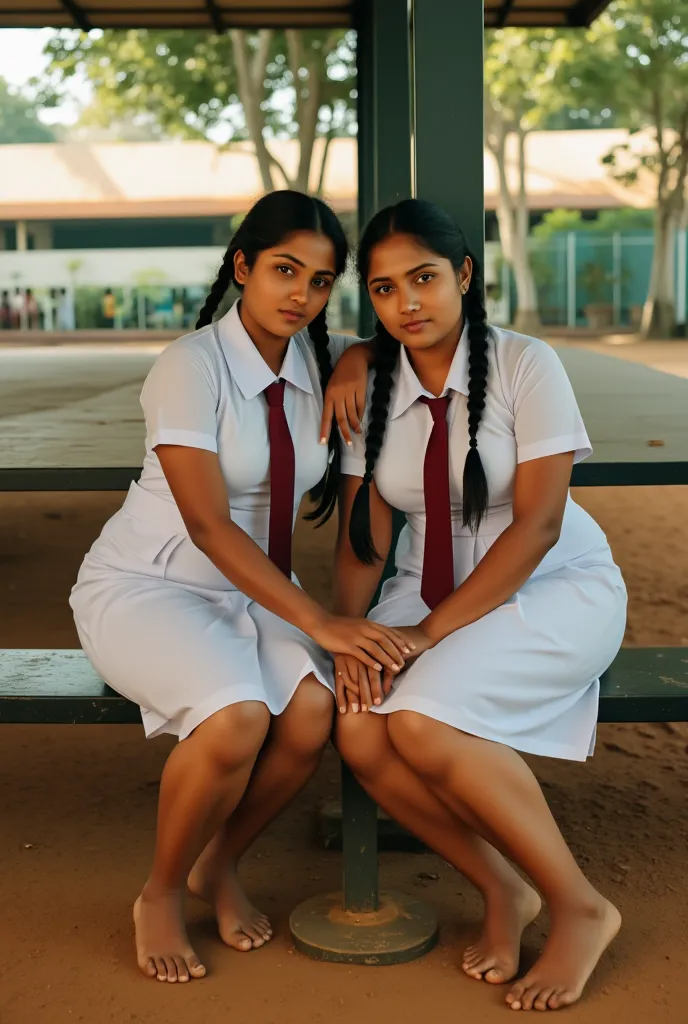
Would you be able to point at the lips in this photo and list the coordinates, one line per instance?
(292, 314)
(414, 325)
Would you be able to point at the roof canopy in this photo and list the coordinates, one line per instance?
(221, 14)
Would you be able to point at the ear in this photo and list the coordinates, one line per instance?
(465, 274)
(241, 268)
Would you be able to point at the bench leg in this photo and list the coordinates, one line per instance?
(362, 925)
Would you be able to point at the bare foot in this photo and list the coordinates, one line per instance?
(163, 950)
(576, 943)
(496, 954)
(240, 924)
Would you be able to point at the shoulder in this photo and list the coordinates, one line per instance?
(520, 356)
(194, 355)
(336, 343)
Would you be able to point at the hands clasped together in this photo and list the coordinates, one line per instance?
(368, 657)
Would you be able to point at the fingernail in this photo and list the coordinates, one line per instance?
(365, 707)
(407, 650)
(342, 711)
(323, 440)
(377, 701)
(354, 708)
(378, 668)
(397, 668)
(350, 444)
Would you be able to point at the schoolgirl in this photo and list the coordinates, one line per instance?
(517, 604)
(186, 603)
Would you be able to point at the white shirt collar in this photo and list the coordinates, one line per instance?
(409, 389)
(247, 366)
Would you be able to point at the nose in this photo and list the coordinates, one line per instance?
(298, 294)
(408, 303)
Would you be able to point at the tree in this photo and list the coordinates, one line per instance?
(520, 69)
(636, 57)
(19, 119)
(259, 85)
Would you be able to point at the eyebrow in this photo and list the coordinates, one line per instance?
(409, 273)
(300, 263)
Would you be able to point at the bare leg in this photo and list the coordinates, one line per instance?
(203, 780)
(287, 761)
(500, 790)
(510, 904)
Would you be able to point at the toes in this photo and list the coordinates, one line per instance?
(160, 969)
(182, 971)
(529, 997)
(561, 997)
(171, 969)
(541, 1001)
(196, 968)
(496, 976)
(239, 940)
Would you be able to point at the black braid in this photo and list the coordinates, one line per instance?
(225, 277)
(475, 492)
(325, 492)
(385, 361)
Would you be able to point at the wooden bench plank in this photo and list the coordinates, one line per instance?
(61, 688)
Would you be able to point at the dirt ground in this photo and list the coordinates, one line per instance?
(78, 814)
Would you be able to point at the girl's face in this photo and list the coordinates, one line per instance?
(288, 285)
(416, 293)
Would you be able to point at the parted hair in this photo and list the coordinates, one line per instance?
(436, 231)
(271, 220)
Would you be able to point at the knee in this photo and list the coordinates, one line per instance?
(414, 738)
(307, 722)
(362, 742)
(234, 735)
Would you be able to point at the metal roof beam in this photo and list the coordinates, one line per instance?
(215, 15)
(78, 14)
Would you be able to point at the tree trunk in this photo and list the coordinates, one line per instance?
(250, 74)
(323, 162)
(513, 233)
(527, 318)
(659, 312)
(308, 93)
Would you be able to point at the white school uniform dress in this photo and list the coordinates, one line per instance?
(160, 623)
(527, 673)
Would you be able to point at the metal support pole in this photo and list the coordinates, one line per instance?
(571, 279)
(616, 276)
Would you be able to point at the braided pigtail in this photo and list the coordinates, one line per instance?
(475, 491)
(225, 277)
(325, 492)
(386, 358)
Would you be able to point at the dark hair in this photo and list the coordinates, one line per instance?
(269, 222)
(435, 230)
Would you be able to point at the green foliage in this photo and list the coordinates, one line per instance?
(557, 221)
(634, 58)
(19, 120)
(186, 83)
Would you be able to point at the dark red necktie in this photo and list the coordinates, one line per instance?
(438, 555)
(281, 480)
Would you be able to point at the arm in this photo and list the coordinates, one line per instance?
(540, 493)
(345, 397)
(198, 487)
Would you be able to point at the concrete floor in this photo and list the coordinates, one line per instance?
(79, 404)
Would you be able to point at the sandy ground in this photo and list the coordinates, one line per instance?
(78, 813)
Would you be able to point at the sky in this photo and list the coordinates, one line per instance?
(21, 58)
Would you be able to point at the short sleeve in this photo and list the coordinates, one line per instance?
(339, 343)
(179, 400)
(547, 420)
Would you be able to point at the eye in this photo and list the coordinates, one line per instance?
(321, 282)
(383, 289)
(426, 277)
(284, 268)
